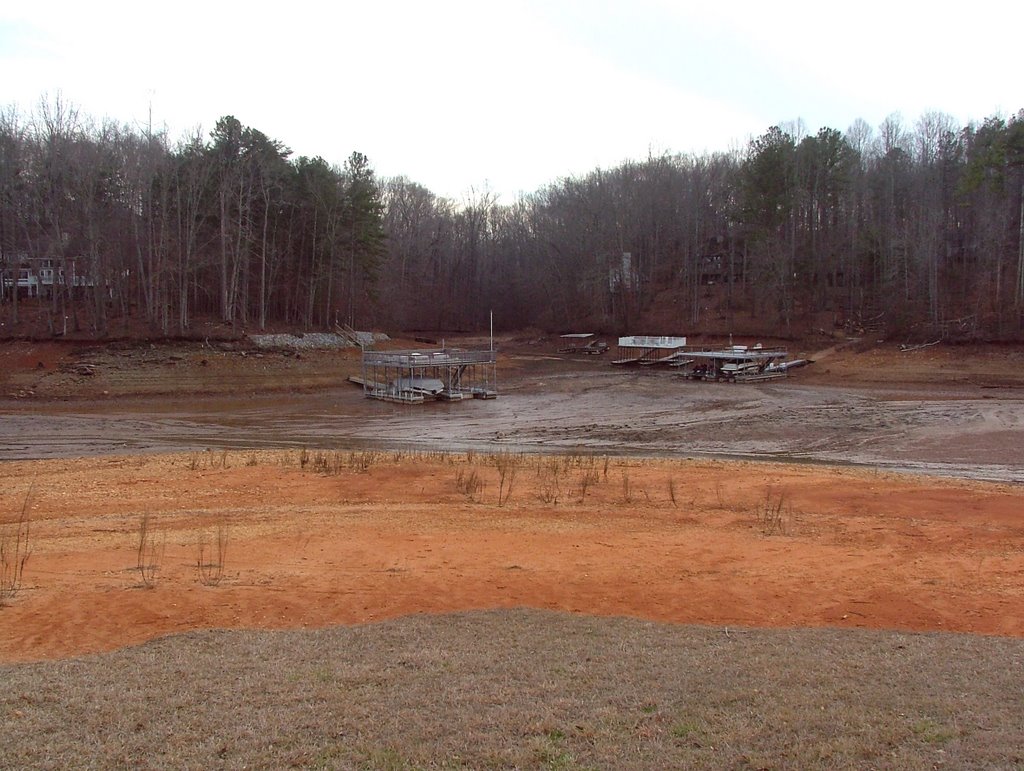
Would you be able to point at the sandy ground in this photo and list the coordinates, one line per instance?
(742, 543)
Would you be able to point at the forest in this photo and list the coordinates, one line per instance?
(913, 229)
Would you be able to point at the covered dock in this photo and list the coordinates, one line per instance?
(413, 377)
(582, 342)
(738, 363)
(647, 349)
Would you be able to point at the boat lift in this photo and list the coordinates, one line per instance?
(739, 363)
(413, 377)
(732, 363)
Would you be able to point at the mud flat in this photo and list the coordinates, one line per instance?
(951, 431)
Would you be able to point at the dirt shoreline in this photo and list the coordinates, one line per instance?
(374, 535)
(607, 516)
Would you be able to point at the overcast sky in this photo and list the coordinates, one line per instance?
(512, 94)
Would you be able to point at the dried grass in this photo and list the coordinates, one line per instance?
(469, 483)
(524, 689)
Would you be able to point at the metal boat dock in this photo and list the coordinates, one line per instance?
(413, 377)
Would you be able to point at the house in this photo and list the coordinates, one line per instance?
(39, 277)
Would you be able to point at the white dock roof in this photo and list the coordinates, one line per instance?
(648, 341)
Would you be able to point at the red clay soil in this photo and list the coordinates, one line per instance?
(740, 544)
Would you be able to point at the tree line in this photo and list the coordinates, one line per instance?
(226, 225)
(917, 228)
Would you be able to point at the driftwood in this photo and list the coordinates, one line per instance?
(908, 348)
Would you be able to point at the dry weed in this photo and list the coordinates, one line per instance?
(211, 555)
(588, 477)
(773, 514)
(15, 549)
(469, 484)
(149, 551)
(507, 465)
(549, 472)
(365, 459)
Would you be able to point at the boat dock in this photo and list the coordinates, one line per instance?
(646, 349)
(413, 377)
